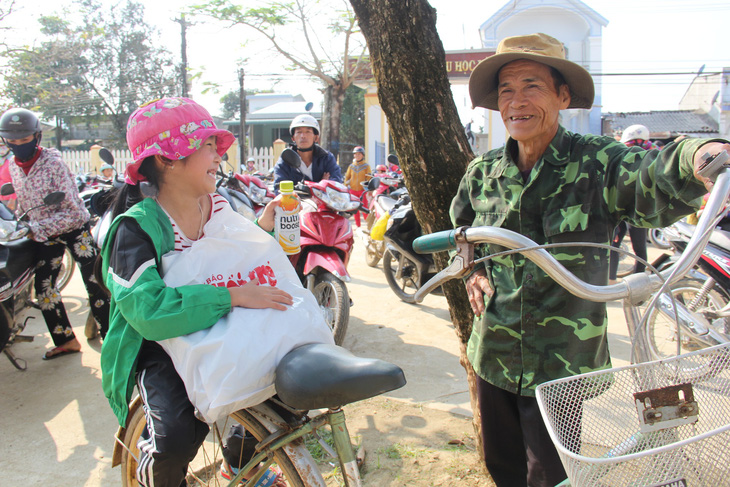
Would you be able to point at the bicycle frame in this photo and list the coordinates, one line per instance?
(343, 448)
(335, 418)
(633, 290)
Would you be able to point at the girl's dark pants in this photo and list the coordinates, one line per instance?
(173, 434)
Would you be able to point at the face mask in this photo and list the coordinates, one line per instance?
(24, 152)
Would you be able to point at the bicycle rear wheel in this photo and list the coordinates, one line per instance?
(204, 470)
(661, 332)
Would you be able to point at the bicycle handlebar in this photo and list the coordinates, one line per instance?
(435, 242)
(636, 287)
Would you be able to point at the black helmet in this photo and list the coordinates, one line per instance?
(18, 123)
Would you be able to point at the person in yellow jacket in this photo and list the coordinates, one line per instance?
(357, 173)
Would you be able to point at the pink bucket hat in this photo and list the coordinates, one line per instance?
(172, 128)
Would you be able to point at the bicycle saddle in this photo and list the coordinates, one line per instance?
(319, 376)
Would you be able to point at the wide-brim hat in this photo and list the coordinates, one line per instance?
(540, 48)
(173, 128)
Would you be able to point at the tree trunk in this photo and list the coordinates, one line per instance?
(334, 99)
(409, 66)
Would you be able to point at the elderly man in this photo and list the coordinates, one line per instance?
(552, 186)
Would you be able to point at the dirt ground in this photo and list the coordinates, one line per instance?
(412, 445)
(58, 429)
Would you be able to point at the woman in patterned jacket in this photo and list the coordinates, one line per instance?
(36, 172)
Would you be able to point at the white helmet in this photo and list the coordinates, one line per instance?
(635, 132)
(304, 121)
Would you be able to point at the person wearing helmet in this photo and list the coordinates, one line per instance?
(357, 173)
(250, 165)
(107, 172)
(317, 162)
(36, 172)
(635, 135)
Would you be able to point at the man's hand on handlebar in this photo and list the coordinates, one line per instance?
(477, 285)
(711, 148)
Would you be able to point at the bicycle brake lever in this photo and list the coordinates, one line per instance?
(459, 267)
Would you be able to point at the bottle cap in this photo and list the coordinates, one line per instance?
(286, 186)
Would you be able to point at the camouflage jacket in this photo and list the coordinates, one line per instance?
(533, 330)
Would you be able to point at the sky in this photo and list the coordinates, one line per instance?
(652, 36)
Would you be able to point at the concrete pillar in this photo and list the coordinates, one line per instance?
(279, 146)
(95, 159)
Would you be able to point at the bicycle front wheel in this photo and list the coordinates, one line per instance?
(205, 469)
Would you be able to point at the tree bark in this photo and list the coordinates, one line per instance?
(334, 100)
(409, 65)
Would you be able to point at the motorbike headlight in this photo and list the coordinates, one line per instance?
(257, 195)
(336, 200)
(6, 230)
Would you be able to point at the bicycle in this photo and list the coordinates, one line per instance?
(310, 377)
(682, 429)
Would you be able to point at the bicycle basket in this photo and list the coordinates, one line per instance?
(655, 424)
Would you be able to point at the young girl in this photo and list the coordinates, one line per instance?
(177, 150)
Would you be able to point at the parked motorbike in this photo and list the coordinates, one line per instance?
(382, 191)
(381, 201)
(17, 269)
(258, 192)
(702, 297)
(405, 270)
(231, 189)
(326, 242)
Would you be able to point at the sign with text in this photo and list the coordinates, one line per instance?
(459, 64)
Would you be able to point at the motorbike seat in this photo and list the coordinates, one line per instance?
(318, 375)
(720, 238)
(386, 202)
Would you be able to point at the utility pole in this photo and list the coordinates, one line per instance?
(184, 54)
(242, 117)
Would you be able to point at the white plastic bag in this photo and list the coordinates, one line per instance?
(231, 365)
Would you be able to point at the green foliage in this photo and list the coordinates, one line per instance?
(314, 38)
(103, 66)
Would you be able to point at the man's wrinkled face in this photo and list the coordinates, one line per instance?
(304, 137)
(528, 101)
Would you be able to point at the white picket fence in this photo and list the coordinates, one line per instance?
(264, 157)
(80, 161)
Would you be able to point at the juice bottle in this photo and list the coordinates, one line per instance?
(286, 219)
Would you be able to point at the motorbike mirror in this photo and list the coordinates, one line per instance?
(373, 184)
(7, 189)
(106, 155)
(393, 159)
(54, 198)
(291, 158)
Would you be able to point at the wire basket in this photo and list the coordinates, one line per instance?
(655, 424)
